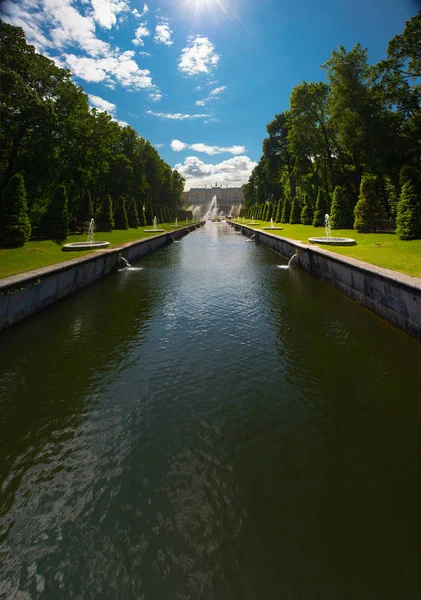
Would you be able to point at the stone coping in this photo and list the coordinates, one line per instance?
(388, 274)
(26, 278)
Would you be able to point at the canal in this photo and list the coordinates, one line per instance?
(209, 426)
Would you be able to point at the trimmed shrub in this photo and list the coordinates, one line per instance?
(120, 214)
(307, 213)
(85, 212)
(392, 197)
(408, 219)
(322, 208)
(104, 220)
(295, 216)
(286, 209)
(15, 228)
(141, 214)
(149, 214)
(369, 211)
(341, 216)
(279, 208)
(55, 223)
(132, 214)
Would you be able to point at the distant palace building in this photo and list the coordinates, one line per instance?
(228, 199)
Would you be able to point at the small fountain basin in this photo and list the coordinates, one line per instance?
(332, 241)
(75, 246)
(153, 230)
(272, 228)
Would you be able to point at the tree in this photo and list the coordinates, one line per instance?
(141, 213)
(55, 223)
(322, 208)
(149, 214)
(104, 220)
(295, 216)
(15, 228)
(408, 219)
(369, 211)
(120, 214)
(85, 212)
(341, 216)
(132, 215)
(307, 213)
(279, 210)
(286, 209)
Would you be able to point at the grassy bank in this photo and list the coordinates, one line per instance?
(37, 254)
(381, 249)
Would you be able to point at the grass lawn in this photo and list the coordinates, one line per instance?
(34, 255)
(381, 249)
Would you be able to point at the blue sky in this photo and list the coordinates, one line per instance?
(201, 78)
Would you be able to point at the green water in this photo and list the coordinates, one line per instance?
(209, 426)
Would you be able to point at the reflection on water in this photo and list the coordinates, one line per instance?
(209, 426)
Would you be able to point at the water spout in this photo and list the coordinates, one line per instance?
(271, 223)
(91, 232)
(155, 221)
(327, 226)
(125, 263)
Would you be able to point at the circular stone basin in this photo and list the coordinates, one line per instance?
(272, 228)
(255, 224)
(332, 241)
(74, 246)
(153, 230)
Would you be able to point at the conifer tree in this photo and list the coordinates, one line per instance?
(286, 209)
(141, 214)
(104, 220)
(279, 210)
(341, 216)
(120, 214)
(369, 211)
(322, 208)
(149, 214)
(408, 219)
(55, 222)
(295, 216)
(132, 214)
(307, 213)
(15, 228)
(85, 212)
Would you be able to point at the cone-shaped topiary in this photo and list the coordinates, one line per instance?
(149, 214)
(120, 214)
(322, 208)
(141, 214)
(104, 220)
(341, 216)
(278, 216)
(55, 225)
(408, 219)
(392, 197)
(15, 228)
(369, 211)
(85, 212)
(307, 213)
(132, 215)
(286, 209)
(295, 216)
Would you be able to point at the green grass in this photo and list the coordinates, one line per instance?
(381, 249)
(37, 254)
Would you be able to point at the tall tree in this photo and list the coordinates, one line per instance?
(15, 228)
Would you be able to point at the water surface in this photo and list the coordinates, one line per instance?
(209, 426)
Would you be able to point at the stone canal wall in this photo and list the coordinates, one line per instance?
(394, 296)
(25, 294)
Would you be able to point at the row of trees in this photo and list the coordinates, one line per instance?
(350, 147)
(51, 140)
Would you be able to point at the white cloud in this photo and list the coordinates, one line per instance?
(105, 11)
(141, 32)
(122, 123)
(232, 172)
(155, 95)
(139, 15)
(163, 32)
(101, 104)
(142, 53)
(175, 116)
(159, 145)
(199, 57)
(177, 146)
(58, 25)
(122, 69)
(213, 95)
